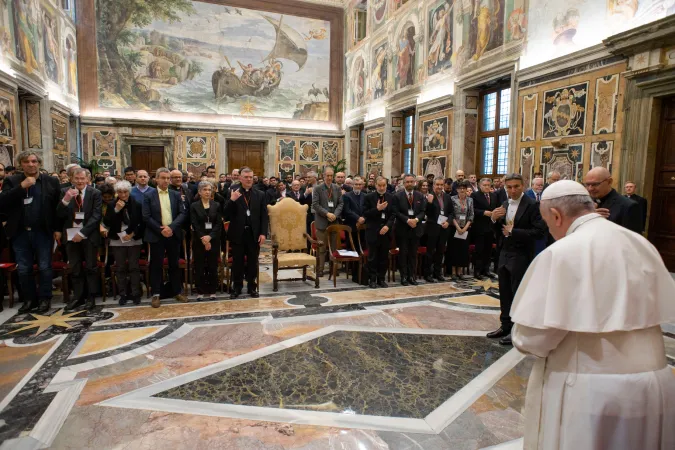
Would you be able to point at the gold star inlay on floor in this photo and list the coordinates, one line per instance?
(485, 284)
(42, 323)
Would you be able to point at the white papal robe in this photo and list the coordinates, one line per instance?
(590, 307)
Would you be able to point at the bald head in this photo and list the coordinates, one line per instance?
(598, 181)
(176, 178)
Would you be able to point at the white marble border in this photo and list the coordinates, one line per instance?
(51, 421)
(364, 301)
(10, 396)
(76, 350)
(434, 423)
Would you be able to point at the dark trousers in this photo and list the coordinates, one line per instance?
(407, 256)
(171, 247)
(483, 255)
(246, 247)
(433, 264)
(378, 256)
(78, 253)
(364, 245)
(205, 266)
(128, 269)
(29, 246)
(512, 268)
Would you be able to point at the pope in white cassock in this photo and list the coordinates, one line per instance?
(590, 307)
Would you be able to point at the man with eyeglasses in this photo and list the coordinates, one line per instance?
(610, 204)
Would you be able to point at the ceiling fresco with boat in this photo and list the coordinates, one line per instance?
(202, 58)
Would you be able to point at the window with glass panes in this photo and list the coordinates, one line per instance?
(360, 21)
(408, 141)
(493, 142)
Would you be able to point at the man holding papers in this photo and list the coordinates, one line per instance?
(440, 216)
(80, 214)
(520, 222)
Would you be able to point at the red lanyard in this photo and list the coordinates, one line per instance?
(440, 200)
(246, 200)
(79, 201)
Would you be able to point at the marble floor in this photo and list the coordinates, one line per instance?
(302, 368)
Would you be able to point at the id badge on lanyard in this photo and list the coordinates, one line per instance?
(208, 226)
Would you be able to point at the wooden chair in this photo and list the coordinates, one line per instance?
(9, 268)
(59, 266)
(364, 253)
(342, 233)
(419, 262)
(288, 222)
(393, 255)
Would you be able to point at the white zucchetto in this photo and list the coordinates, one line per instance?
(563, 188)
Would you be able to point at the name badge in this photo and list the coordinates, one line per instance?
(248, 212)
(462, 217)
(331, 205)
(442, 212)
(384, 216)
(411, 212)
(79, 216)
(209, 225)
(28, 201)
(124, 227)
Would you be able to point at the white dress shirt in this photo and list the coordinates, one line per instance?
(513, 208)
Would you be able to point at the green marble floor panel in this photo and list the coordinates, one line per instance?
(367, 373)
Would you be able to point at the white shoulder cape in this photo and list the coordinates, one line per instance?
(599, 278)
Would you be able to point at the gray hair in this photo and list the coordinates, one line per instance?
(570, 205)
(162, 170)
(27, 154)
(311, 173)
(78, 170)
(513, 176)
(244, 170)
(485, 179)
(406, 175)
(203, 184)
(356, 178)
(110, 180)
(122, 186)
(327, 169)
(551, 173)
(69, 168)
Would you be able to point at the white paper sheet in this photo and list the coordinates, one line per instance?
(71, 232)
(442, 219)
(461, 236)
(348, 253)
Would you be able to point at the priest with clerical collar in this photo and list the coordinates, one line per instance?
(590, 307)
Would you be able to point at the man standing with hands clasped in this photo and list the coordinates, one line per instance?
(409, 206)
(247, 210)
(80, 213)
(378, 211)
(440, 214)
(327, 206)
(520, 222)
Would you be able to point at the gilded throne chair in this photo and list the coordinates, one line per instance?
(289, 241)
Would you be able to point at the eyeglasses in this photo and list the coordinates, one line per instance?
(594, 185)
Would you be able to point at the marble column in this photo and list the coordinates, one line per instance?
(386, 146)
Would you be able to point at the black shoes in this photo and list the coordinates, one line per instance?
(506, 340)
(479, 277)
(235, 293)
(74, 304)
(499, 333)
(45, 306)
(372, 285)
(429, 280)
(136, 300)
(123, 300)
(27, 307)
(440, 278)
(382, 284)
(412, 282)
(253, 293)
(404, 282)
(91, 304)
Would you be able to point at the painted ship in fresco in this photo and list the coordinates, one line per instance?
(261, 82)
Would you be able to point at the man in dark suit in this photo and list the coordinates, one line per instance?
(611, 204)
(247, 210)
(520, 222)
(29, 200)
(307, 200)
(164, 215)
(629, 189)
(482, 229)
(410, 207)
(500, 190)
(438, 204)
(79, 213)
(274, 195)
(295, 193)
(352, 213)
(378, 211)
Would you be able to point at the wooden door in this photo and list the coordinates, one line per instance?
(246, 153)
(662, 214)
(147, 157)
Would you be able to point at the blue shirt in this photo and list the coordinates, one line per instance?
(138, 194)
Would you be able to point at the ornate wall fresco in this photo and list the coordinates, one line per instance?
(33, 124)
(300, 154)
(8, 133)
(33, 42)
(571, 124)
(435, 142)
(379, 71)
(374, 157)
(439, 30)
(60, 150)
(104, 148)
(556, 28)
(201, 58)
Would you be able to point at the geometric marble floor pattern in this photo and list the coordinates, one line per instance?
(303, 368)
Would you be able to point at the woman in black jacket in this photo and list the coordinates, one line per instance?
(207, 223)
(123, 222)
